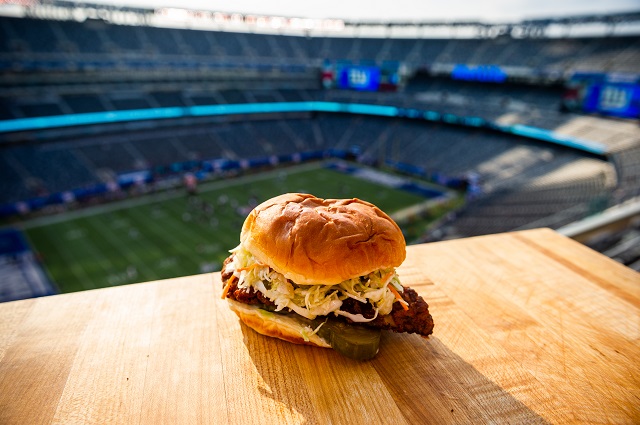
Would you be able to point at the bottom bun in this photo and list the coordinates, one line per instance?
(276, 325)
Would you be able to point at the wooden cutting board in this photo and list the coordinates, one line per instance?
(531, 327)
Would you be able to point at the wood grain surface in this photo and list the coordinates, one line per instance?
(531, 327)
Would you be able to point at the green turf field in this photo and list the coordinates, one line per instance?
(170, 234)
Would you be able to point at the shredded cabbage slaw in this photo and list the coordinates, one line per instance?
(311, 301)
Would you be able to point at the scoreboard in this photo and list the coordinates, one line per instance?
(481, 73)
(362, 77)
(359, 78)
(620, 99)
(609, 94)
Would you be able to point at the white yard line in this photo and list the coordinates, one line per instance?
(130, 255)
(167, 236)
(75, 268)
(104, 261)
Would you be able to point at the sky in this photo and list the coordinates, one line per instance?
(401, 10)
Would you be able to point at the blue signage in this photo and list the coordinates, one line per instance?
(359, 78)
(610, 94)
(620, 99)
(482, 73)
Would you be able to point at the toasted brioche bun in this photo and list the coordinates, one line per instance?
(315, 241)
(275, 325)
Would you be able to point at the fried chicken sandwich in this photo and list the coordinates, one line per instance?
(322, 272)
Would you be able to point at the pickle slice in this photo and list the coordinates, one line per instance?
(355, 342)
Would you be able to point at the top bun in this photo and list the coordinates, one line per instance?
(315, 241)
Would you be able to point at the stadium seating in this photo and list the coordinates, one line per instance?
(124, 38)
(21, 278)
(106, 154)
(45, 164)
(553, 207)
(182, 68)
(627, 163)
(95, 39)
(231, 44)
(32, 35)
(20, 273)
(12, 182)
(83, 102)
(87, 38)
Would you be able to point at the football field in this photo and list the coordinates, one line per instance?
(171, 234)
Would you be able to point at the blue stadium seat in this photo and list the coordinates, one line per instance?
(83, 103)
(56, 168)
(88, 36)
(38, 35)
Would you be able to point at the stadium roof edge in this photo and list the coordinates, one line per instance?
(261, 23)
(614, 18)
(619, 17)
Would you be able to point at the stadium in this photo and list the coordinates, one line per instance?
(134, 141)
